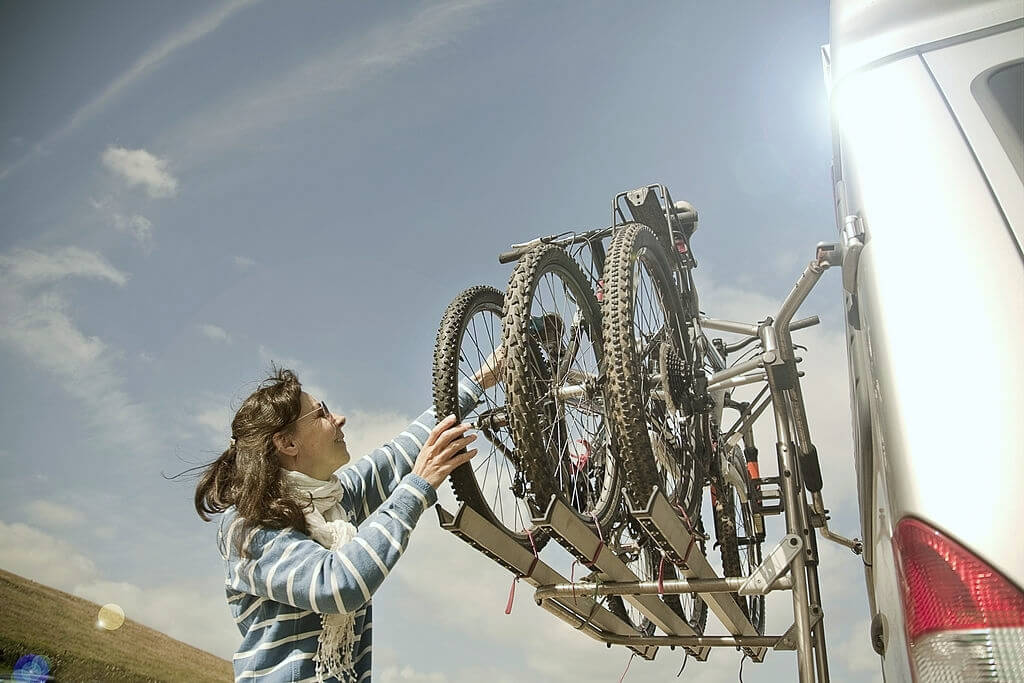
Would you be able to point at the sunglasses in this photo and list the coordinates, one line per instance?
(320, 411)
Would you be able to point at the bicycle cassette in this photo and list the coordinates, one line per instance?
(674, 382)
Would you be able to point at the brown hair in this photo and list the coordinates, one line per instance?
(246, 474)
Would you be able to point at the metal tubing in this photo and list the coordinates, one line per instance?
(809, 321)
(731, 584)
(576, 537)
(794, 507)
(729, 326)
(818, 630)
(818, 505)
(749, 421)
(697, 641)
(568, 616)
(789, 475)
(662, 522)
(751, 413)
(717, 359)
(755, 363)
(803, 434)
(738, 381)
(796, 297)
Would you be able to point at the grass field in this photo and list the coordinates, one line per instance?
(36, 619)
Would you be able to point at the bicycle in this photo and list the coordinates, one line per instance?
(615, 397)
(549, 298)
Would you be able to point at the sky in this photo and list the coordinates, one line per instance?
(190, 191)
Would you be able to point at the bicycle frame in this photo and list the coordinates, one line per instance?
(799, 472)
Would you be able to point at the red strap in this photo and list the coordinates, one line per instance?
(528, 574)
(511, 596)
(532, 544)
(693, 542)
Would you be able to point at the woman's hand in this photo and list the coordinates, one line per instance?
(489, 373)
(441, 454)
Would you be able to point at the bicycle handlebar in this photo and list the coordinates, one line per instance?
(519, 250)
(512, 254)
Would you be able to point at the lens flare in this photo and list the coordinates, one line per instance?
(111, 617)
(31, 669)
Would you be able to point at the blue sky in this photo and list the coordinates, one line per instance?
(190, 191)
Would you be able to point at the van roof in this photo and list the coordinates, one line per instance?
(863, 32)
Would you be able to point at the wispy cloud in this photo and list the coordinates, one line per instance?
(138, 226)
(36, 323)
(344, 68)
(52, 514)
(26, 267)
(139, 167)
(144, 65)
(215, 333)
(243, 262)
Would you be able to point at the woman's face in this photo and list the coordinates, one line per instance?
(318, 440)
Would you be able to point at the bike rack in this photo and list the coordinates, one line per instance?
(573, 602)
(582, 613)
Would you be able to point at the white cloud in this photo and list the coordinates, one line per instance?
(344, 68)
(150, 60)
(243, 262)
(41, 329)
(217, 421)
(36, 555)
(215, 333)
(307, 376)
(139, 227)
(51, 514)
(139, 167)
(20, 267)
(37, 324)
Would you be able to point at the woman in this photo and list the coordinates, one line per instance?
(299, 573)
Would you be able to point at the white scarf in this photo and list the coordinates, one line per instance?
(329, 526)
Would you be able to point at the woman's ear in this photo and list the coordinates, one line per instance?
(285, 445)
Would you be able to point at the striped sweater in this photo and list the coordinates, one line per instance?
(278, 593)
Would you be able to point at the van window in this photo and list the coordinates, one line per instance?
(1000, 93)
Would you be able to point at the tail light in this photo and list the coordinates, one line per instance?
(964, 620)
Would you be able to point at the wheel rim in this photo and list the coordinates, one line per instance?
(498, 476)
(575, 441)
(672, 443)
(638, 557)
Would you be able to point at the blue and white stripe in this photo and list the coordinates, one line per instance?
(278, 593)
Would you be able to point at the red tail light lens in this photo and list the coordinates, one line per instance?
(964, 620)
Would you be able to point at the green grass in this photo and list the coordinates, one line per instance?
(36, 619)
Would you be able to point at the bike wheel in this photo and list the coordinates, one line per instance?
(738, 541)
(552, 336)
(493, 483)
(649, 361)
(642, 556)
(636, 550)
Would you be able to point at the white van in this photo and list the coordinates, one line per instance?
(927, 99)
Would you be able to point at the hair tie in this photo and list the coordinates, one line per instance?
(232, 442)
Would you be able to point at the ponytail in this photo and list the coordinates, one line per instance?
(246, 475)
